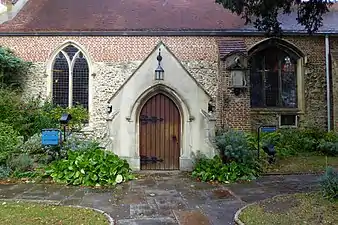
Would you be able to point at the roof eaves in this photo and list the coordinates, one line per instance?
(228, 32)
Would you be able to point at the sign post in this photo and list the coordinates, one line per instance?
(50, 137)
(264, 129)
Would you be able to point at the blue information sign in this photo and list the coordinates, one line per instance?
(268, 129)
(50, 137)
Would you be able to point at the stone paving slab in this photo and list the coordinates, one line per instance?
(166, 198)
(194, 217)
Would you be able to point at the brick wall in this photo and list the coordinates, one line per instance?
(234, 111)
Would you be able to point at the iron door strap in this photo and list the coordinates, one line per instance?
(149, 159)
(144, 119)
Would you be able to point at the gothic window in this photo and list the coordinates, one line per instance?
(70, 78)
(273, 79)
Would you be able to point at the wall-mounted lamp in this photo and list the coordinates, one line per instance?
(238, 75)
(159, 72)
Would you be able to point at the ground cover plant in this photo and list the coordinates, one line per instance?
(236, 160)
(17, 213)
(300, 150)
(90, 166)
(305, 208)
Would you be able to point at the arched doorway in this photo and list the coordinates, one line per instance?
(160, 129)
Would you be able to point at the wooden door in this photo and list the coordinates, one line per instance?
(160, 126)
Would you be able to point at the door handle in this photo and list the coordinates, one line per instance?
(175, 139)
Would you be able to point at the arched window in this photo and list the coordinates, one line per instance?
(70, 78)
(273, 78)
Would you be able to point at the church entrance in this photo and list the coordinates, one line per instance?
(160, 129)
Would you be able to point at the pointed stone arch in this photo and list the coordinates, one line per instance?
(180, 87)
(292, 51)
(71, 63)
(276, 42)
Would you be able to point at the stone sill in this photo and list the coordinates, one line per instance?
(275, 110)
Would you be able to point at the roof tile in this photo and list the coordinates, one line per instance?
(226, 47)
(116, 15)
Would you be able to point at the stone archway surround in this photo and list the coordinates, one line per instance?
(179, 86)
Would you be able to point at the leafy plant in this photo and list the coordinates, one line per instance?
(329, 184)
(4, 172)
(234, 147)
(33, 145)
(20, 163)
(90, 168)
(328, 145)
(213, 169)
(79, 115)
(11, 68)
(9, 141)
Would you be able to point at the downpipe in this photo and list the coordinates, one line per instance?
(327, 72)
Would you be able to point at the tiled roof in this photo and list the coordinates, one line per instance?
(140, 15)
(226, 47)
(119, 15)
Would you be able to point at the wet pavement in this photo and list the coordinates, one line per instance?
(166, 198)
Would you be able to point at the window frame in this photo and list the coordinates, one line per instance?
(254, 68)
(71, 64)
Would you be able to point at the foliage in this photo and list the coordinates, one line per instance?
(33, 145)
(11, 68)
(20, 163)
(234, 147)
(265, 13)
(9, 141)
(4, 171)
(74, 143)
(329, 184)
(79, 114)
(329, 144)
(213, 169)
(291, 142)
(95, 167)
(29, 116)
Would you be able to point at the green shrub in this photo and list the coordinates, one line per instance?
(20, 163)
(9, 141)
(234, 147)
(30, 116)
(79, 115)
(95, 167)
(213, 169)
(329, 184)
(73, 143)
(5, 171)
(33, 145)
(328, 145)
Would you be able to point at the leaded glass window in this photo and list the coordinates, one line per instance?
(70, 78)
(273, 79)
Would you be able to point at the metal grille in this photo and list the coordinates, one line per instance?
(273, 79)
(60, 80)
(71, 51)
(80, 81)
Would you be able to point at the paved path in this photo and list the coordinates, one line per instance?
(166, 198)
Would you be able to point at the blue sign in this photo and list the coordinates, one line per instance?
(50, 137)
(268, 129)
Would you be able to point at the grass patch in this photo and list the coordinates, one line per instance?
(18, 213)
(309, 208)
(302, 164)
